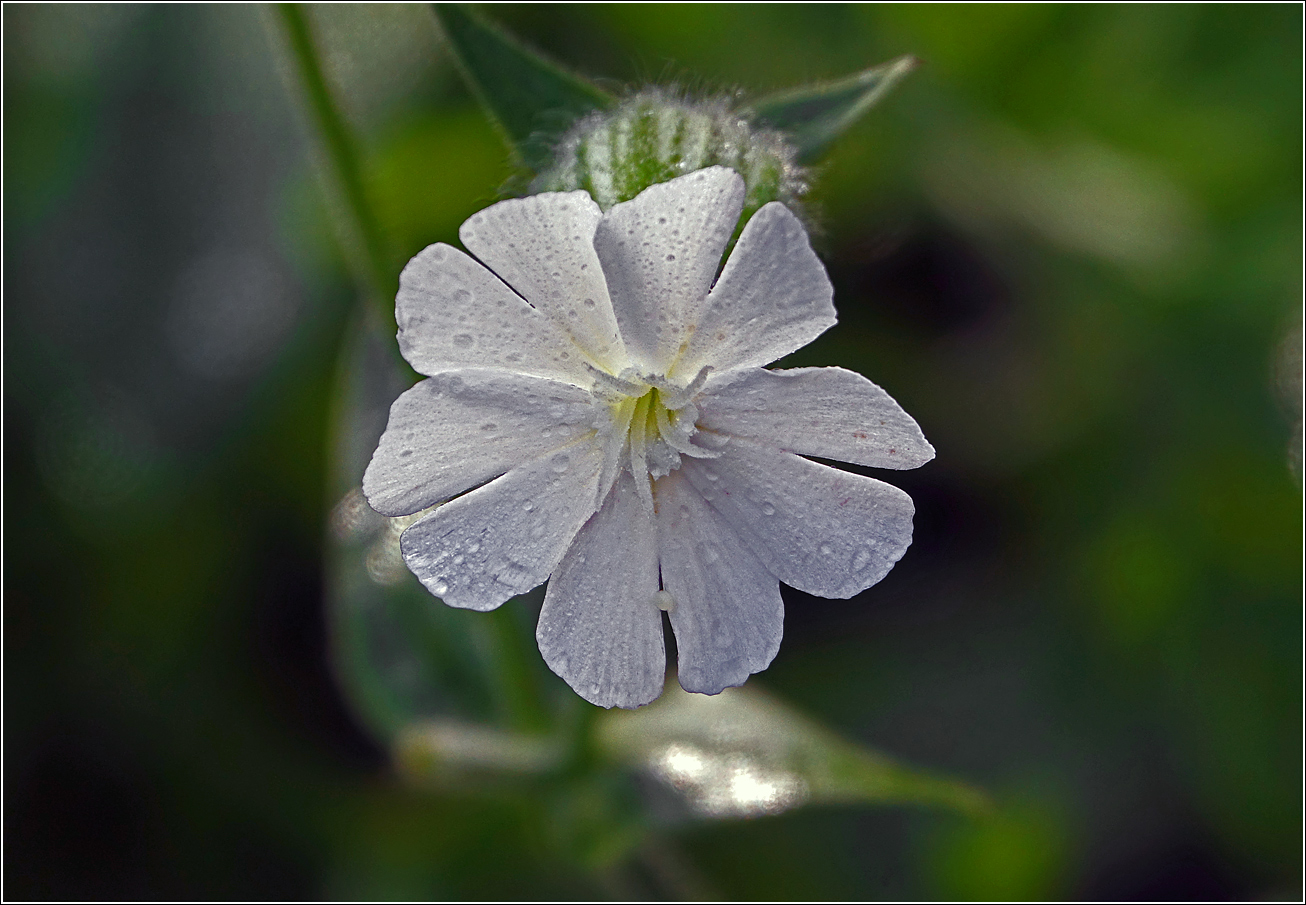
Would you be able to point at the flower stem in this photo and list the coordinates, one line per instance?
(364, 241)
(512, 678)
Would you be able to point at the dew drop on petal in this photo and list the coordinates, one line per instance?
(561, 463)
(440, 587)
(861, 559)
(527, 506)
(768, 509)
(458, 560)
(463, 340)
(826, 549)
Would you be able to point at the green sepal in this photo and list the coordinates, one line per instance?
(814, 116)
(701, 745)
(532, 100)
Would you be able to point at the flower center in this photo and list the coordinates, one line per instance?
(652, 426)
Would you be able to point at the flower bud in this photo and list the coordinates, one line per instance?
(654, 137)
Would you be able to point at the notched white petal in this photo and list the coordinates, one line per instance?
(453, 313)
(773, 297)
(543, 247)
(506, 537)
(818, 529)
(827, 412)
(461, 428)
(660, 252)
(727, 615)
(601, 627)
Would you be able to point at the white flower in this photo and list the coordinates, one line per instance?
(636, 452)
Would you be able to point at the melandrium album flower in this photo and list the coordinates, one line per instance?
(608, 402)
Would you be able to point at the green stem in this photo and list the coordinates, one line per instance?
(513, 680)
(512, 677)
(366, 245)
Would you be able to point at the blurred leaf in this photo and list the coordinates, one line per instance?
(1020, 852)
(818, 114)
(531, 99)
(453, 754)
(742, 753)
(401, 656)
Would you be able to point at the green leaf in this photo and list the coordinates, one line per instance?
(742, 753)
(816, 115)
(403, 658)
(530, 98)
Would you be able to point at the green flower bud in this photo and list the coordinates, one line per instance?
(654, 137)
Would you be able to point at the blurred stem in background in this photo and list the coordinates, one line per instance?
(374, 269)
(340, 163)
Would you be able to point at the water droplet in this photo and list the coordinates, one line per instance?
(589, 303)
(768, 509)
(537, 531)
(826, 549)
(527, 506)
(561, 463)
(472, 548)
(710, 475)
(489, 426)
(439, 587)
(462, 296)
(671, 257)
(861, 559)
(463, 340)
(458, 560)
(664, 601)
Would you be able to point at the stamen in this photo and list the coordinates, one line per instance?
(639, 453)
(617, 387)
(677, 398)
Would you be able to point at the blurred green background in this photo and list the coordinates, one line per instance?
(1070, 245)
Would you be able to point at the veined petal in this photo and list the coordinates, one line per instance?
(660, 252)
(727, 612)
(773, 297)
(818, 529)
(543, 247)
(600, 628)
(453, 313)
(461, 428)
(826, 412)
(505, 538)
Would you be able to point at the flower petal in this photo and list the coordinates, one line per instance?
(461, 428)
(453, 313)
(821, 530)
(600, 628)
(773, 297)
(543, 247)
(660, 252)
(728, 615)
(505, 538)
(826, 412)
